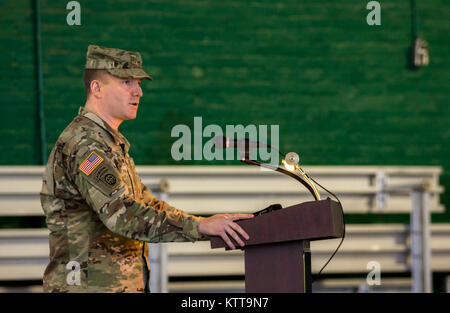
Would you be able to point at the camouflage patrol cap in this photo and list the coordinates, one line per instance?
(117, 62)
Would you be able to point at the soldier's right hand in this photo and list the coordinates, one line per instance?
(223, 225)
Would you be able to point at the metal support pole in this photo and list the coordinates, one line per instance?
(382, 196)
(158, 267)
(307, 266)
(163, 247)
(158, 263)
(420, 241)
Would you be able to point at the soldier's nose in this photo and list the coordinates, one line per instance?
(138, 92)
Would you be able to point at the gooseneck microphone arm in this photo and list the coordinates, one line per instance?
(283, 171)
(222, 142)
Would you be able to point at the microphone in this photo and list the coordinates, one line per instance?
(222, 142)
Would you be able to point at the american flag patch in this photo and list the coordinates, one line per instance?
(91, 162)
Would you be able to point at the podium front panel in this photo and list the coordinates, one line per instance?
(275, 267)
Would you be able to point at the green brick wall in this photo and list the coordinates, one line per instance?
(342, 92)
(18, 118)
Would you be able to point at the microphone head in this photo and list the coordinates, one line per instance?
(292, 158)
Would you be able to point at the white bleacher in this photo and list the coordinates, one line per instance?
(210, 189)
(218, 189)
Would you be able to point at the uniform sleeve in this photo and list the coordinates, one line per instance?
(100, 178)
(150, 200)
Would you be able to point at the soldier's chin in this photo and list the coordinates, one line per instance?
(131, 116)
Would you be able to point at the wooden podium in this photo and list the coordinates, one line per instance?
(277, 257)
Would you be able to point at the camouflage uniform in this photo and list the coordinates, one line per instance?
(100, 214)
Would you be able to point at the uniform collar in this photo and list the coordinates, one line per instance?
(118, 138)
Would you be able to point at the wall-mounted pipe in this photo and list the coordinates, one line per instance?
(413, 20)
(39, 81)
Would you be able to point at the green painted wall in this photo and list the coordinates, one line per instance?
(18, 119)
(341, 91)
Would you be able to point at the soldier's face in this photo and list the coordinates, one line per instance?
(122, 97)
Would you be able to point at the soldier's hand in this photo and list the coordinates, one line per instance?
(224, 226)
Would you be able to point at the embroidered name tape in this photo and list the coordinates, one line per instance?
(90, 163)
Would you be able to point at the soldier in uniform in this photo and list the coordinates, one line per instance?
(99, 213)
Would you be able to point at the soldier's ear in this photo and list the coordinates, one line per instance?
(96, 88)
